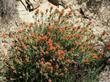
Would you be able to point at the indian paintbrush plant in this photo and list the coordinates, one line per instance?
(57, 54)
(61, 52)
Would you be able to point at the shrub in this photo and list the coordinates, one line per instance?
(53, 54)
(61, 52)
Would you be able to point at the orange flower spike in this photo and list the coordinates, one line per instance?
(61, 52)
(54, 35)
(94, 56)
(3, 35)
(50, 42)
(72, 50)
(46, 37)
(78, 36)
(61, 57)
(62, 29)
(49, 80)
(52, 48)
(43, 38)
(20, 30)
(39, 38)
(75, 43)
(69, 37)
(108, 46)
(50, 27)
(48, 33)
(85, 61)
(68, 61)
(81, 47)
(90, 47)
(33, 35)
(100, 56)
(42, 61)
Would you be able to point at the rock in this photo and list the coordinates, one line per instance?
(8, 15)
(101, 13)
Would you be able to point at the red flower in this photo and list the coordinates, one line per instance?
(72, 50)
(62, 29)
(51, 27)
(69, 37)
(42, 61)
(108, 46)
(3, 35)
(95, 56)
(44, 38)
(60, 54)
(49, 80)
(75, 43)
(48, 33)
(85, 61)
(78, 36)
(54, 35)
(52, 48)
(33, 35)
(20, 30)
(50, 42)
(68, 61)
(90, 47)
